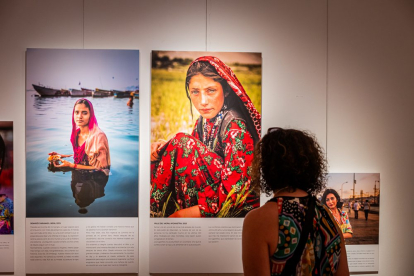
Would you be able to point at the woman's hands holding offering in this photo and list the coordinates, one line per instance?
(64, 164)
(61, 155)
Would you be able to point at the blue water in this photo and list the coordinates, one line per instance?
(50, 194)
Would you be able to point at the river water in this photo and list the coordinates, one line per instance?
(76, 194)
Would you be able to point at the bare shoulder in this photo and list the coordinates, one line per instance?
(259, 239)
(259, 219)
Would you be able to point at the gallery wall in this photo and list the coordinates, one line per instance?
(341, 69)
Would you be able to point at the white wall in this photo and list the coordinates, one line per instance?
(342, 69)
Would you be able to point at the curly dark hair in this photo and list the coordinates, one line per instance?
(335, 193)
(289, 159)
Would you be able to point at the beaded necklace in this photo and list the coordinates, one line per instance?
(210, 128)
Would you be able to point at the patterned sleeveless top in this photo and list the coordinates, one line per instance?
(323, 248)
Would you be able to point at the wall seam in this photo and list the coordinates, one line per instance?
(327, 79)
(206, 23)
(83, 24)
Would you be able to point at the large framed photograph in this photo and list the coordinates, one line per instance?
(354, 201)
(205, 121)
(82, 138)
(82, 133)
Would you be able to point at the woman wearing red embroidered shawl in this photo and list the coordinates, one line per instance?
(207, 174)
(89, 142)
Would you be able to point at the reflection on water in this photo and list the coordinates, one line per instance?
(67, 193)
(86, 187)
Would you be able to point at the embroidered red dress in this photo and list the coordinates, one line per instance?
(212, 167)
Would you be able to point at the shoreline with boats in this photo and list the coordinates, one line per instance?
(44, 91)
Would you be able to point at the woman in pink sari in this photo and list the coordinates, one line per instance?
(89, 142)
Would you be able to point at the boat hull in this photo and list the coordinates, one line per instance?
(47, 92)
(122, 94)
(99, 93)
(80, 93)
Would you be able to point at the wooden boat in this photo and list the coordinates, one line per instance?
(80, 93)
(46, 91)
(122, 94)
(101, 93)
(86, 91)
(64, 92)
(76, 92)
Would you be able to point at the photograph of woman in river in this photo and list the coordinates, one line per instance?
(82, 152)
(205, 173)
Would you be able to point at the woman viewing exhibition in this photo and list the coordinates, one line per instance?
(207, 174)
(293, 233)
(89, 142)
(332, 199)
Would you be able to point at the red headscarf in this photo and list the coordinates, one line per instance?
(226, 73)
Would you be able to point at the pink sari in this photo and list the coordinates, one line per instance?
(95, 150)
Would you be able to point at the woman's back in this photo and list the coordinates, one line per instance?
(274, 231)
(321, 253)
(291, 165)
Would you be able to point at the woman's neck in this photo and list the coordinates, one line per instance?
(285, 192)
(84, 130)
(335, 211)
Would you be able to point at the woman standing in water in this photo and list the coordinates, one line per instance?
(208, 171)
(89, 142)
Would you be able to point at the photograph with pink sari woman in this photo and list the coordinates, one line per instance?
(82, 143)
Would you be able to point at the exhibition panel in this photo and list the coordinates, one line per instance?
(205, 121)
(82, 160)
(354, 200)
(6, 198)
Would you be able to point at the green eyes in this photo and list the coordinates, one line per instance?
(209, 91)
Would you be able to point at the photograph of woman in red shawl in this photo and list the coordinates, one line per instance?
(208, 173)
(89, 142)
